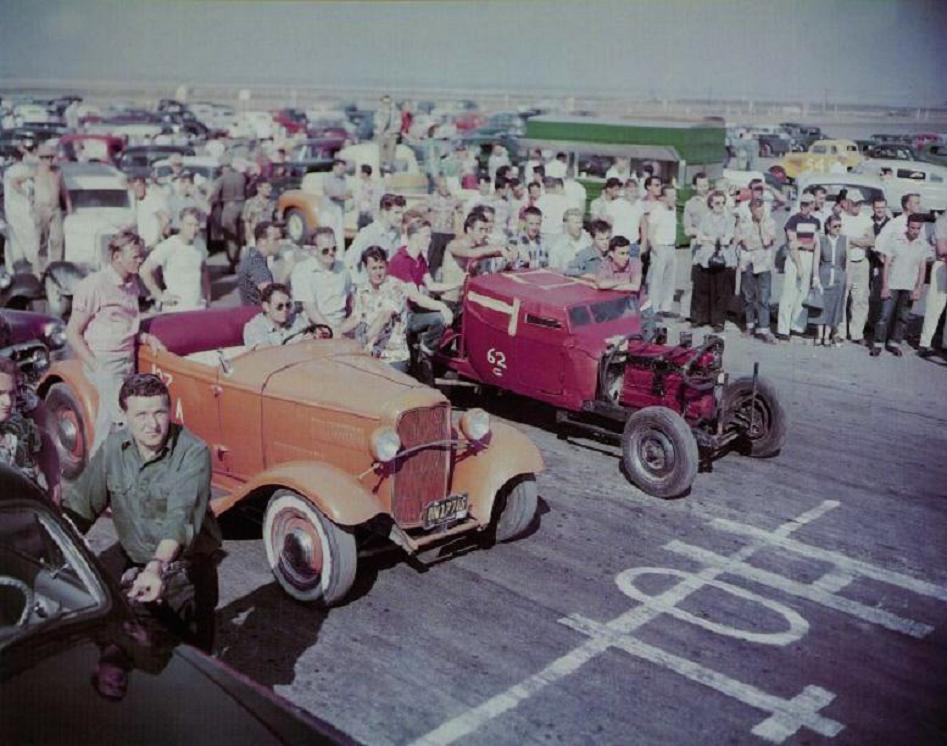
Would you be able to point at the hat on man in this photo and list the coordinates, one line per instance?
(807, 198)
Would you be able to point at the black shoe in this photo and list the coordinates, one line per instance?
(783, 337)
(924, 351)
(875, 351)
(896, 351)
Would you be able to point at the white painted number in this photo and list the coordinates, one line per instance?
(497, 359)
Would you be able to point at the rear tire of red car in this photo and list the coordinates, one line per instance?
(769, 420)
(659, 452)
(69, 429)
(515, 508)
(296, 228)
(312, 558)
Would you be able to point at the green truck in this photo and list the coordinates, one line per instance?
(677, 148)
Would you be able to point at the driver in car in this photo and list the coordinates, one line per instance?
(277, 323)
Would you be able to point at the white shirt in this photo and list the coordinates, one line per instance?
(565, 247)
(146, 215)
(614, 173)
(556, 169)
(854, 228)
(906, 260)
(576, 194)
(625, 218)
(182, 268)
(662, 225)
(376, 233)
(553, 206)
(328, 289)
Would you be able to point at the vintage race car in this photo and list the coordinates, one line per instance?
(337, 448)
(559, 340)
(823, 155)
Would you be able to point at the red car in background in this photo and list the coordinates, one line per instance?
(92, 147)
(561, 341)
(468, 120)
(292, 120)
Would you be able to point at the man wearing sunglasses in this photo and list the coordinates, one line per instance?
(322, 284)
(277, 320)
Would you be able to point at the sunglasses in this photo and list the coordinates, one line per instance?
(718, 204)
(46, 157)
(283, 306)
(328, 250)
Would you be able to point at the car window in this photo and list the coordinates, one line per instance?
(603, 311)
(40, 565)
(82, 198)
(935, 177)
(543, 321)
(910, 173)
(820, 149)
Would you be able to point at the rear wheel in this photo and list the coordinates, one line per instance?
(659, 452)
(762, 420)
(296, 227)
(69, 431)
(515, 508)
(312, 558)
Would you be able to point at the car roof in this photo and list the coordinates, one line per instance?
(542, 289)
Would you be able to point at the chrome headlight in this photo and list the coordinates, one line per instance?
(475, 424)
(54, 333)
(385, 444)
(40, 360)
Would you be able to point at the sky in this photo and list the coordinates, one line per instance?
(847, 51)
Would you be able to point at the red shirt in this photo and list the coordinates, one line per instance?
(406, 269)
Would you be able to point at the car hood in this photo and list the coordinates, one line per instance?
(349, 381)
(176, 696)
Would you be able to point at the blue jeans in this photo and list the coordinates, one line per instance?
(898, 306)
(428, 325)
(756, 292)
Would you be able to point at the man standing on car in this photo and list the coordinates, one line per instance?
(155, 478)
(103, 328)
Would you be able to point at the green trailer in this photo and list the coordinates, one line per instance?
(677, 148)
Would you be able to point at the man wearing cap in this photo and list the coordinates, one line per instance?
(802, 231)
(50, 197)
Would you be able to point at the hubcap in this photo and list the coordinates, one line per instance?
(656, 453)
(300, 548)
(69, 432)
(294, 227)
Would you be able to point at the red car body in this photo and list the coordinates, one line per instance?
(469, 120)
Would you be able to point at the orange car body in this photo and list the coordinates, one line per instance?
(301, 417)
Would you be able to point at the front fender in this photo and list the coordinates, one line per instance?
(66, 275)
(24, 287)
(340, 496)
(69, 372)
(509, 454)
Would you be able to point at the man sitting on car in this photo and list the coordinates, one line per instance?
(277, 323)
(322, 283)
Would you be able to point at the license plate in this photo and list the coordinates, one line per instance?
(450, 509)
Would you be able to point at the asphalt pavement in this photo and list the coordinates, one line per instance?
(798, 599)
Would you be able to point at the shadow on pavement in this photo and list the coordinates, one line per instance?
(264, 633)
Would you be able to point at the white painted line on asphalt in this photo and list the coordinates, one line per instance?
(812, 592)
(842, 562)
(787, 715)
(473, 719)
(797, 626)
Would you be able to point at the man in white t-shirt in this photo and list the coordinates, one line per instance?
(322, 283)
(553, 205)
(151, 211)
(662, 238)
(183, 262)
(860, 234)
(570, 242)
(558, 166)
(624, 215)
(937, 293)
(902, 281)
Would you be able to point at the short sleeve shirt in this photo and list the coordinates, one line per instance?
(805, 227)
(370, 303)
(625, 218)
(253, 271)
(112, 304)
(906, 258)
(663, 225)
(261, 332)
(328, 289)
(406, 269)
(182, 268)
(631, 272)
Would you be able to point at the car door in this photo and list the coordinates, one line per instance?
(239, 403)
(539, 342)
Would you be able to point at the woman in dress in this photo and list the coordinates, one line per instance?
(828, 276)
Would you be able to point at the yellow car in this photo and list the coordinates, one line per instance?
(823, 156)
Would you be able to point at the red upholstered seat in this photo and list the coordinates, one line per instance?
(197, 331)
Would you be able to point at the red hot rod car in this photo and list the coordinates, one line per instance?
(556, 339)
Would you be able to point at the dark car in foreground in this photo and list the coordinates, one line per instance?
(77, 666)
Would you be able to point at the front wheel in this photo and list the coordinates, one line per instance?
(659, 452)
(312, 558)
(515, 508)
(763, 421)
(69, 431)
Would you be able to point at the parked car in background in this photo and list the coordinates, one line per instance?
(926, 179)
(367, 457)
(823, 155)
(31, 340)
(889, 151)
(933, 153)
(203, 168)
(801, 135)
(314, 155)
(73, 654)
(861, 187)
(85, 147)
(139, 160)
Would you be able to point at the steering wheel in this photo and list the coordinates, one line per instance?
(27, 593)
(308, 330)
